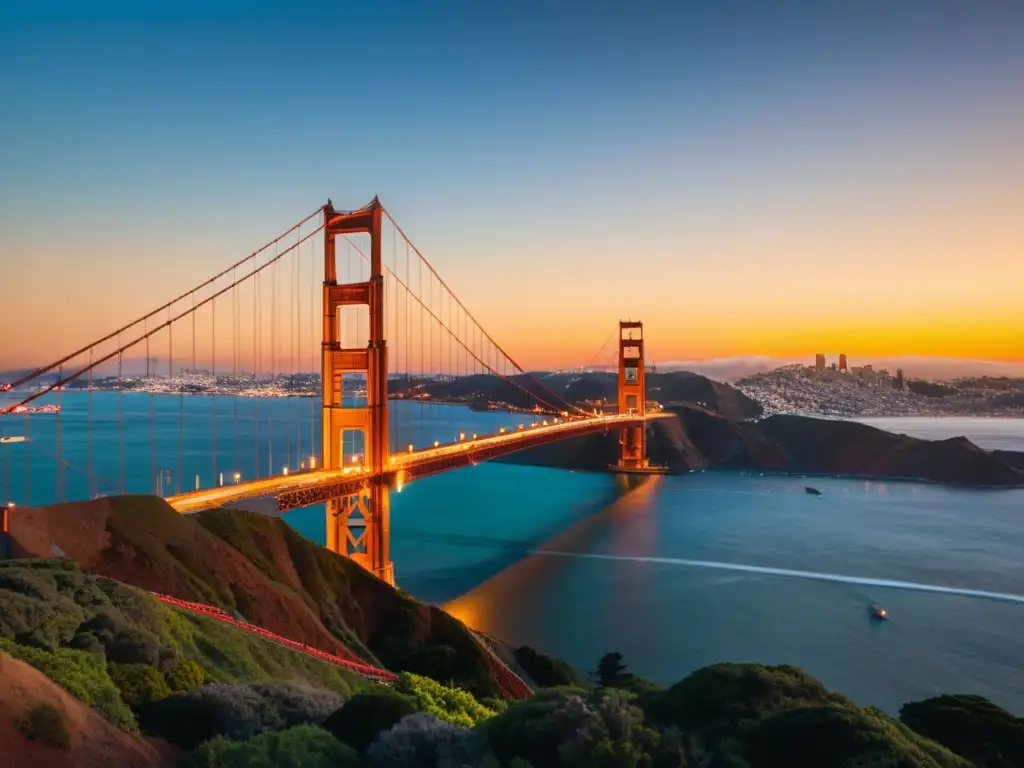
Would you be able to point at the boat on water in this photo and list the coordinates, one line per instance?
(878, 613)
(28, 410)
(812, 491)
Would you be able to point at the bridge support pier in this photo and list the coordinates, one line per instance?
(632, 396)
(358, 526)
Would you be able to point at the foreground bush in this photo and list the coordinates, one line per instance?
(971, 726)
(82, 674)
(187, 676)
(545, 671)
(139, 684)
(423, 741)
(368, 714)
(570, 727)
(304, 746)
(235, 712)
(452, 705)
(45, 723)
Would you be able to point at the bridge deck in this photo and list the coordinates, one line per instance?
(313, 487)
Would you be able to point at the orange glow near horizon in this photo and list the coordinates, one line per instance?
(694, 304)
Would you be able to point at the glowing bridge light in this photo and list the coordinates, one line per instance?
(238, 476)
(410, 447)
(437, 443)
(393, 459)
(501, 431)
(312, 462)
(355, 459)
(285, 471)
(462, 436)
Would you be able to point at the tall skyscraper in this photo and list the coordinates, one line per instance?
(899, 383)
(842, 362)
(819, 362)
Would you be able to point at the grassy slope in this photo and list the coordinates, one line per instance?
(71, 624)
(400, 632)
(261, 569)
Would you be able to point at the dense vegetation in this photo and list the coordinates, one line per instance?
(724, 716)
(119, 650)
(226, 698)
(260, 569)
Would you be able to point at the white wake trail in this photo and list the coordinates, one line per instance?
(769, 571)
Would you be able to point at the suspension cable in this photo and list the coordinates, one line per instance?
(40, 371)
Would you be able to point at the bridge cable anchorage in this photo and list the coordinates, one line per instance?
(470, 316)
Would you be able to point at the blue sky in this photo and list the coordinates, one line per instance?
(870, 147)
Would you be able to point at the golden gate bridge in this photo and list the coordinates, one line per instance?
(346, 293)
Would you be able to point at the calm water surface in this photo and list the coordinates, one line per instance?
(676, 573)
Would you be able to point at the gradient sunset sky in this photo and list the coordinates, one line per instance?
(748, 178)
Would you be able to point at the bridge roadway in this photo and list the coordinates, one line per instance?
(308, 487)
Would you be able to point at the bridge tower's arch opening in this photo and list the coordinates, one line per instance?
(358, 525)
(632, 394)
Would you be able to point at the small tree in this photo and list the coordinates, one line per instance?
(611, 670)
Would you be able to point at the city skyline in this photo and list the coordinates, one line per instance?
(782, 183)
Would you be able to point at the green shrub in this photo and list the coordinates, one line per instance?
(545, 671)
(45, 723)
(971, 726)
(453, 705)
(235, 712)
(422, 741)
(185, 677)
(367, 714)
(569, 727)
(139, 684)
(83, 675)
(304, 746)
(812, 737)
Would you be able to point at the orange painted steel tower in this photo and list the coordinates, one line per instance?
(358, 525)
(632, 395)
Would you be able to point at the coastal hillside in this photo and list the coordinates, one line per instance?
(669, 387)
(41, 724)
(259, 569)
(701, 439)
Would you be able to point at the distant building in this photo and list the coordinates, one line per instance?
(842, 363)
(819, 362)
(898, 382)
(869, 368)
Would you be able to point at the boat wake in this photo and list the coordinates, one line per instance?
(813, 575)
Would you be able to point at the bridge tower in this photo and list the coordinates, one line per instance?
(632, 394)
(358, 525)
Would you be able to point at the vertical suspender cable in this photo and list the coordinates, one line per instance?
(213, 398)
(120, 410)
(93, 489)
(273, 365)
(61, 476)
(28, 462)
(314, 347)
(152, 420)
(257, 336)
(234, 372)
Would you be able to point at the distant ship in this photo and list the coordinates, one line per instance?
(27, 410)
(878, 613)
(812, 491)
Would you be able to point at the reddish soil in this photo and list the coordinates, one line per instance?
(93, 741)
